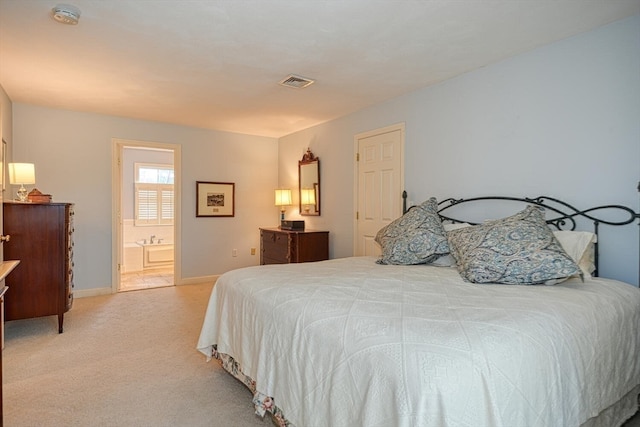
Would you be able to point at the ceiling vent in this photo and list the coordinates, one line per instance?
(296, 82)
(66, 14)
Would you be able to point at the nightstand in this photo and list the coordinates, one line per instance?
(284, 246)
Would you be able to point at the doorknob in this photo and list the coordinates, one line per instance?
(4, 238)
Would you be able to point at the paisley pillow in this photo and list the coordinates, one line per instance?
(417, 237)
(518, 250)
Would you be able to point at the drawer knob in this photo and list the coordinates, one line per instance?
(5, 238)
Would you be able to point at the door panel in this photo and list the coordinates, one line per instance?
(380, 181)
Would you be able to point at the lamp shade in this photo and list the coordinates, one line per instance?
(308, 196)
(283, 197)
(22, 173)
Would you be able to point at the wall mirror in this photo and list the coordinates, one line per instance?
(309, 184)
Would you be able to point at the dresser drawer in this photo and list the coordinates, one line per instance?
(288, 246)
(275, 247)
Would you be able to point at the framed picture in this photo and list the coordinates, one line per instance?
(215, 198)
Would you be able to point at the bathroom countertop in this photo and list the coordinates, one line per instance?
(7, 267)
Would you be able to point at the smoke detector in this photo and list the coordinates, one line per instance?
(296, 82)
(66, 14)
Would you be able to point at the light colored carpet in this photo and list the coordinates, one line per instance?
(123, 360)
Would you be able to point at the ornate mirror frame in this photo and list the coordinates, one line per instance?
(309, 184)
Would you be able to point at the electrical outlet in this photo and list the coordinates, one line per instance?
(234, 252)
(253, 251)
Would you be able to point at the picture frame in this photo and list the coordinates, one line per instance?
(215, 199)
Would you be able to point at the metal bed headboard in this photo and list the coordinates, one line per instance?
(565, 214)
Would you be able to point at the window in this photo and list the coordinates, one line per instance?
(153, 194)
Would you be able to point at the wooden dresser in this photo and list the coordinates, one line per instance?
(42, 239)
(282, 246)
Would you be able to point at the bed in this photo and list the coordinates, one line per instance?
(368, 341)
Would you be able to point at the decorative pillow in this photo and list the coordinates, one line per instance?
(520, 249)
(579, 245)
(448, 260)
(417, 237)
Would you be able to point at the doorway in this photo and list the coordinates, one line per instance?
(378, 182)
(146, 218)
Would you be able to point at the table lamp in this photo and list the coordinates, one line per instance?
(21, 174)
(283, 198)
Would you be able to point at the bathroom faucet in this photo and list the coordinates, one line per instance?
(153, 236)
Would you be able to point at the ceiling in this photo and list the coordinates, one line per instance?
(216, 64)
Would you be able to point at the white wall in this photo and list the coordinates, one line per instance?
(562, 121)
(72, 154)
(6, 134)
(6, 127)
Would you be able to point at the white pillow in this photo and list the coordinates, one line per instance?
(455, 226)
(579, 245)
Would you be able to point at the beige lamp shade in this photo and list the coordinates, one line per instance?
(308, 196)
(283, 197)
(22, 173)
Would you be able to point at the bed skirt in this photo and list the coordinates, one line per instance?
(618, 413)
(263, 404)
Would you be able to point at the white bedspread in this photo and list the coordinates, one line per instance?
(348, 343)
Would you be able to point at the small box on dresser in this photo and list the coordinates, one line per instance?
(290, 246)
(42, 239)
(292, 225)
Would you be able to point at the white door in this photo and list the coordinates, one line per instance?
(379, 184)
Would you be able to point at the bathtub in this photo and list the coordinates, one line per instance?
(132, 258)
(156, 254)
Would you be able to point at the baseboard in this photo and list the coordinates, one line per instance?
(198, 280)
(94, 292)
